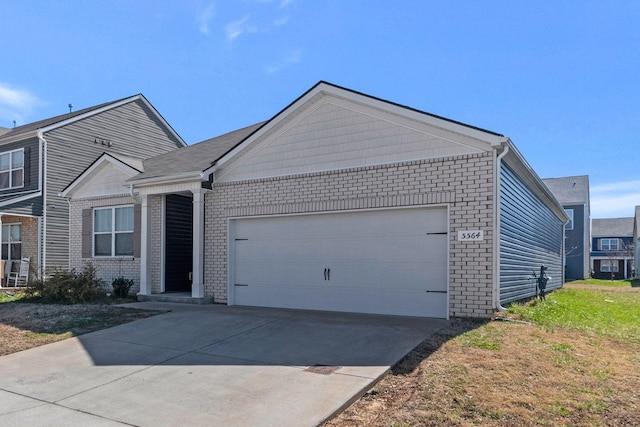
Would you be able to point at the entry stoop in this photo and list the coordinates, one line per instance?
(179, 297)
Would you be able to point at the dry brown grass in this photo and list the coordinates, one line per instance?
(24, 325)
(503, 373)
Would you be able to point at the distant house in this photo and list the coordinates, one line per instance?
(340, 202)
(612, 248)
(38, 160)
(573, 193)
(636, 242)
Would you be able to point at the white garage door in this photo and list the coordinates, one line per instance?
(383, 261)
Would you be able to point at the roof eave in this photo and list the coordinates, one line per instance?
(41, 131)
(104, 157)
(166, 179)
(526, 172)
(19, 137)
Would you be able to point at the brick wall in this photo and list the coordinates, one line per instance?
(156, 216)
(29, 236)
(107, 269)
(464, 183)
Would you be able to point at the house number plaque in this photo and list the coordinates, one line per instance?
(469, 235)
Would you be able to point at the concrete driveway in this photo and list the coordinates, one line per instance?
(207, 365)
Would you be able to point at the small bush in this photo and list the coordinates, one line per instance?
(121, 287)
(68, 287)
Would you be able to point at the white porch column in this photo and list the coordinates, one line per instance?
(145, 250)
(197, 272)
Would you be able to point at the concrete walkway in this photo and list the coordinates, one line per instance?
(207, 366)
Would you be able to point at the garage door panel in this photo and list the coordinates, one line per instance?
(407, 302)
(387, 261)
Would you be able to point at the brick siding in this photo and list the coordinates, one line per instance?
(29, 236)
(464, 183)
(107, 269)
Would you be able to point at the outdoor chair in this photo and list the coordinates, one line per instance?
(20, 277)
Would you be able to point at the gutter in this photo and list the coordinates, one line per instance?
(42, 170)
(496, 225)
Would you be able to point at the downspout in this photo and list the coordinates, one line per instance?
(496, 228)
(42, 170)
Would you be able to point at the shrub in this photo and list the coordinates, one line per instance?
(121, 286)
(69, 287)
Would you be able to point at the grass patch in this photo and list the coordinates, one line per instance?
(612, 283)
(10, 296)
(600, 312)
(574, 363)
(485, 338)
(25, 324)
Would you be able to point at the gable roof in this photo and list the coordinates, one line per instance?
(330, 88)
(198, 160)
(189, 162)
(128, 165)
(203, 159)
(33, 129)
(570, 190)
(612, 227)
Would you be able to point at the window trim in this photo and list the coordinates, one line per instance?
(11, 169)
(569, 225)
(113, 231)
(609, 241)
(609, 263)
(9, 242)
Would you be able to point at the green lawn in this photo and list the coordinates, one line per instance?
(616, 283)
(608, 313)
(8, 297)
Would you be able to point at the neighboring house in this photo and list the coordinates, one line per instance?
(38, 160)
(636, 242)
(340, 202)
(573, 193)
(612, 248)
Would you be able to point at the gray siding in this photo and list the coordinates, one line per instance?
(530, 236)
(131, 129)
(32, 206)
(574, 245)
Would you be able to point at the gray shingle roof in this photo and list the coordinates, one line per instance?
(570, 190)
(612, 227)
(194, 158)
(30, 127)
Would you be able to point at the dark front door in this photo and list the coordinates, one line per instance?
(178, 243)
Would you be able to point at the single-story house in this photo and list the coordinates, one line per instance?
(340, 202)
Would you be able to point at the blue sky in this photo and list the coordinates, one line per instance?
(560, 78)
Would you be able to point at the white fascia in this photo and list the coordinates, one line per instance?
(172, 179)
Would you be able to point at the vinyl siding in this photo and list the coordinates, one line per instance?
(131, 129)
(32, 206)
(334, 134)
(530, 236)
(574, 245)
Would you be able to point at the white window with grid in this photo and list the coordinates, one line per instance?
(11, 241)
(12, 169)
(609, 266)
(113, 232)
(609, 244)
